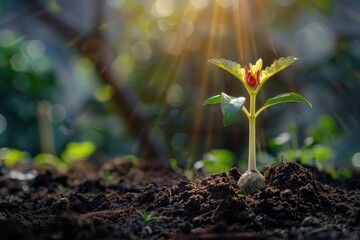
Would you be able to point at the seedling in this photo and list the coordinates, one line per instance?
(253, 78)
(147, 219)
(109, 176)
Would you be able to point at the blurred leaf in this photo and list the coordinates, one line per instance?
(12, 156)
(324, 130)
(293, 127)
(307, 156)
(54, 6)
(174, 165)
(334, 174)
(322, 152)
(133, 159)
(46, 158)
(77, 151)
(327, 123)
(289, 155)
(104, 93)
(218, 160)
(50, 159)
(231, 108)
(347, 173)
(272, 145)
(189, 174)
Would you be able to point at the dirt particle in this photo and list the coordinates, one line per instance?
(286, 194)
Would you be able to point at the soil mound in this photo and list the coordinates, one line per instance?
(121, 201)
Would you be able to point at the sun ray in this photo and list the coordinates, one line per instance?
(218, 23)
(204, 83)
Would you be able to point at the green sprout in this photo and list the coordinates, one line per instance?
(109, 176)
(253, 78)
(147, 219)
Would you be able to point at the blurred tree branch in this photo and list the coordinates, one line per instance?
(91, 46)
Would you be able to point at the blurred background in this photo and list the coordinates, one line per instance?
(111, 78)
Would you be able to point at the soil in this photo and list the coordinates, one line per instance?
(106, 202)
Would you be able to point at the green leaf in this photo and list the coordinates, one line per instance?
(231, 107)
(218, 160)
(213, 100)
(46, 158)
(10, 157)
(230, 66)
(283, 98)
(52, 160)
(322, 152)
(77, 151)
(276, 67)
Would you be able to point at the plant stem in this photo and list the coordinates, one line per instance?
(252, 138)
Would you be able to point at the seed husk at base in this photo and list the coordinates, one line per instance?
(251, 181)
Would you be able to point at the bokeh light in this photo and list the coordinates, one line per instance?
(141, 51)
(7, 38)
(104, 93)
(19, 62)
(163, 8)
(356, 160)
(315, 42)
(35, 49)
(56, 113)
(199, 4)
(175, 95)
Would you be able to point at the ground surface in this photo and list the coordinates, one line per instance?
(106, 202)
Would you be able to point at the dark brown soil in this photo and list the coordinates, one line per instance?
(106, 202)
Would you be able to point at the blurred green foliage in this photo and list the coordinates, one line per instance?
(317, 148)
(9, 157)
(214, 161)
(74, 151)
(34, 114)
(26, 80)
